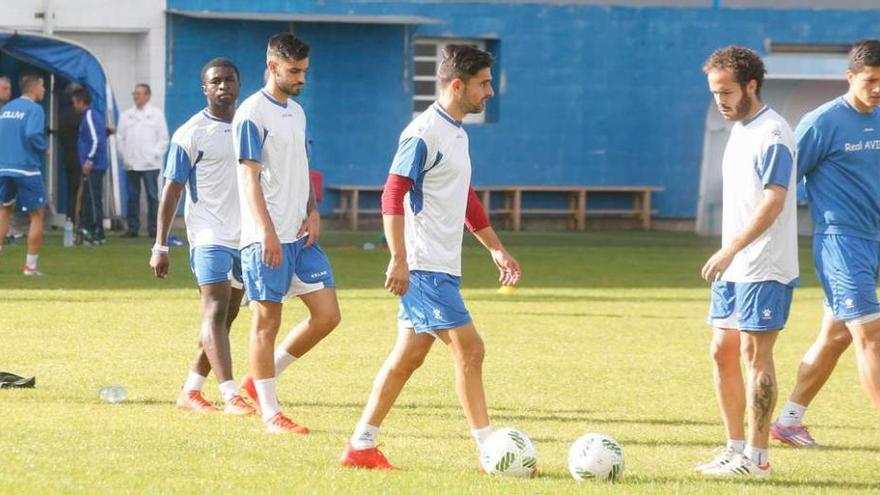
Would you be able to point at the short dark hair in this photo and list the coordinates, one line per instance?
(145, 86)
(219, 62)
(27, 79)
(745, 64)
(462, 62)
(287, 46)
(864, 53)
(81, 94)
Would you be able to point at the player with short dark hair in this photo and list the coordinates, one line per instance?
(202, 161)
(23, 143)
(280, 226)
(839, 158)
(427, 198)
(754, 273)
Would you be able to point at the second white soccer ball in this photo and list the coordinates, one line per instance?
(509, 452)
(596, 456)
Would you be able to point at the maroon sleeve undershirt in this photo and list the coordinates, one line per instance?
(396, 187)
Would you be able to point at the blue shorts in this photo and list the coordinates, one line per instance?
(750, 306)
(216, 264)
(433, 302)
(302, 270)
(847, 268)
(28, 189)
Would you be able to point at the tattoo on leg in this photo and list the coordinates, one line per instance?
(762, 398)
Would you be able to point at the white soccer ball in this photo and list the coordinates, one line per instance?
(597, 457)
(509, 452)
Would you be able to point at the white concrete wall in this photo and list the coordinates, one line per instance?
(127, 35)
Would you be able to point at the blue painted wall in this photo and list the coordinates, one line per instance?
(592, 95)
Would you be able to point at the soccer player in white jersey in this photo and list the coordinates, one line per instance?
(280, 225)
(755, 271)
(839, 156)
(202, 160)
(426, 201)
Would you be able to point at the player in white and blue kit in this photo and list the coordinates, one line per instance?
(427, 199)
(22, 144)
(202, 161)
(839, 158)
(755, 271)
(280, 226)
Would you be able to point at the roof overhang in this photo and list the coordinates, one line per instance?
(295, 17)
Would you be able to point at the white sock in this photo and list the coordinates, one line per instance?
(228, 390)
(194, 382)
(736, 445)
(792, 414)
(31, 261)
(757, 456)
(364, 436)
(282, 361)
(481, 434)
(268, 398)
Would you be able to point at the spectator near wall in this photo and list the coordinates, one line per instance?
(143, 139)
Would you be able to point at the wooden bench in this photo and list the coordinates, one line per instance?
(512, 210)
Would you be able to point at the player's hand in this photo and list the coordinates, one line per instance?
(509, 272)
(717, 264)
(88, 166)
(271, 247)
(160, 264)
(312, 225)
(397, 277)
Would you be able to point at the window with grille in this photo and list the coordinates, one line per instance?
(428, 54)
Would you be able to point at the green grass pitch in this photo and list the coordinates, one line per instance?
(606, 334)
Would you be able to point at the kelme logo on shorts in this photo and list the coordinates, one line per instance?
(767, 314)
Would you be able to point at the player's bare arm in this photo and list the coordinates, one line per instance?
(312, 223)
(253, 194)
(768, 209)
(397, 275)
(509, 271)
(160, 261)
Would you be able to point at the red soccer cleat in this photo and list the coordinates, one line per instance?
(371, 458)
(239, 406)
(194, 401)
(281, 424)
(247, 384)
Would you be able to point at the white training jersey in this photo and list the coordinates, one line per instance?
(433, 152)
(273, 133)
(760, 152)
(202, 157)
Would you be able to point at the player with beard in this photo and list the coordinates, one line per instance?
(839, 156)
(426, 200)
(280, 226)
(754, 273)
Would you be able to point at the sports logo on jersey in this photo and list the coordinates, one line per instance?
(766, 314)
(438, 315)
(849, 303)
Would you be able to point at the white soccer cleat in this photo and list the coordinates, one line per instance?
(31, 272)
(740, 466)
(723, 457)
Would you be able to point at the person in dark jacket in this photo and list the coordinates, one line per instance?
(92, 151)
(68, 134)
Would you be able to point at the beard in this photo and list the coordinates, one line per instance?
(742, 108)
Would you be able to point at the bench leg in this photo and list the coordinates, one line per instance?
(355, 203)
(517, 208)
(582, 210)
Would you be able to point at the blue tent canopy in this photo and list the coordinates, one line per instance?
(60, 57)
(76, 63)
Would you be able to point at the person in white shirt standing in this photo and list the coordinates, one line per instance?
(754, 273)
(280, 226)
(143, 139)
